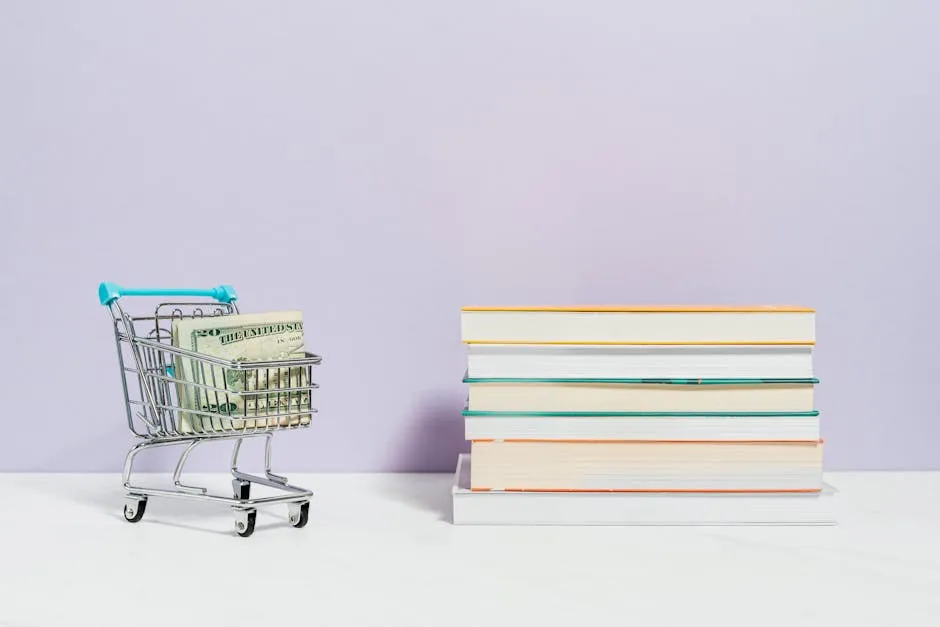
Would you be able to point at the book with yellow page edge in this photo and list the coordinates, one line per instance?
(643, 325)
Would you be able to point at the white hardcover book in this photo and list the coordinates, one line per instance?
(537, 361)
(618, 508)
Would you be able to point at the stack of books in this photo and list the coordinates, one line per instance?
(641, 415)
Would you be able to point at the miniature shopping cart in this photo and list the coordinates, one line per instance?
(230, 400)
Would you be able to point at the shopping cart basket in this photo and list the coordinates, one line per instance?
(236, 400)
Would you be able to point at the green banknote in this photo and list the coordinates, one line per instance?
(238, 398)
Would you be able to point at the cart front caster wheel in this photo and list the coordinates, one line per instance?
(299, 513)
(134, 510)
(245, 522)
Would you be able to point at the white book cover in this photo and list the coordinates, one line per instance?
(613, 508)
(542, 361)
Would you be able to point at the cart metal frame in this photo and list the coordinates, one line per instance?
(164, 409)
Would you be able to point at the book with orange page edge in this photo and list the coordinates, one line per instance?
(818, 442)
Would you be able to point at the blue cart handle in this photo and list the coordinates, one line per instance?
(109, 292)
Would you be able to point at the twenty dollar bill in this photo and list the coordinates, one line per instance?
(227, 398)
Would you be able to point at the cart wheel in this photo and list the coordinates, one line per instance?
(299, 515)
(133, 512)
(242, 489)
(245, 525)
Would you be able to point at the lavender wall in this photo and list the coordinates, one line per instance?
(380, 164)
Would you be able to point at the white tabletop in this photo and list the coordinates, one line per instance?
(380, 550)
